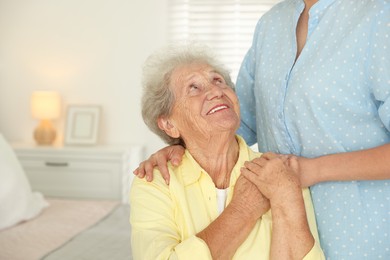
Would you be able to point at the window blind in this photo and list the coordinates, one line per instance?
(225, 25)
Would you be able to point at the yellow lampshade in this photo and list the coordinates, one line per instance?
(45, 105)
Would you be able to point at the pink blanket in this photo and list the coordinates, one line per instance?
(58, 223)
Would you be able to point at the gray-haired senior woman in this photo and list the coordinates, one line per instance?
(210, 210)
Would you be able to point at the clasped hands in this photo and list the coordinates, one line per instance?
(268, 181)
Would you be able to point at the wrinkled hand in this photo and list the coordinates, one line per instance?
(276, 176)
(173, 153)
(303, 168)
(247, 198)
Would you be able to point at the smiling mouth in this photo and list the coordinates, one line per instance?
(217, 108)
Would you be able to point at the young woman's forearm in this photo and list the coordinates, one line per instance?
(369, 164)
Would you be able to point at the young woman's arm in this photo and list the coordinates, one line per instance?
(369, 164)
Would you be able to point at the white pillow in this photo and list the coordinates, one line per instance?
(17, 201)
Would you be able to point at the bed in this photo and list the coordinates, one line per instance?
(36, 227)
(71, 229)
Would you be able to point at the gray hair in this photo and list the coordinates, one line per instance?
(157, 98)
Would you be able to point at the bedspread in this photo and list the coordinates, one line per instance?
(108, 239)
(57, 224)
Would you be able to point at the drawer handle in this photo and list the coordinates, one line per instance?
(57, 164)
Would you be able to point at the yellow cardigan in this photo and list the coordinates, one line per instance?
(165, 219)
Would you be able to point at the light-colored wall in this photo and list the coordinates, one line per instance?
(90, 51)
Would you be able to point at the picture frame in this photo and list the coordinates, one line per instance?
(82, 124)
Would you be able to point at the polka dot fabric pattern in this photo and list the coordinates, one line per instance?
(334, 98)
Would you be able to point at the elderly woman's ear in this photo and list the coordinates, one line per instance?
(168, 127)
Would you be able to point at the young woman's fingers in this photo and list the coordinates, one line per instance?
(176, 154)
(140, 171)
(163, 167)
(149, 166)
(160, 159)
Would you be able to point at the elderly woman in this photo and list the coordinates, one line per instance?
(211, 210)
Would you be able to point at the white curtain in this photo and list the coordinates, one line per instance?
(225, 25)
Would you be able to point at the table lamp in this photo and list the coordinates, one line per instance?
(45, 106)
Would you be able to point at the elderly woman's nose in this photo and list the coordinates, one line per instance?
(214, 91)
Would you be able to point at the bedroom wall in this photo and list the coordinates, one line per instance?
(90, 51)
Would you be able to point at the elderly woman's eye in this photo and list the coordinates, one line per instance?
(219, 80)
(193, 86)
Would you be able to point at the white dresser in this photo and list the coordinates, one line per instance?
(96, 172)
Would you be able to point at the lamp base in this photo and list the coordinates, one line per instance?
(45, 133)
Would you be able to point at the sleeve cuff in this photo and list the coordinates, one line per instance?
(315, 253)
(193, 248)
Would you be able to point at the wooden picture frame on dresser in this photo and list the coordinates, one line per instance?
(82, 124)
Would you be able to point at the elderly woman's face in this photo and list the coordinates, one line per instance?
(204, 104)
